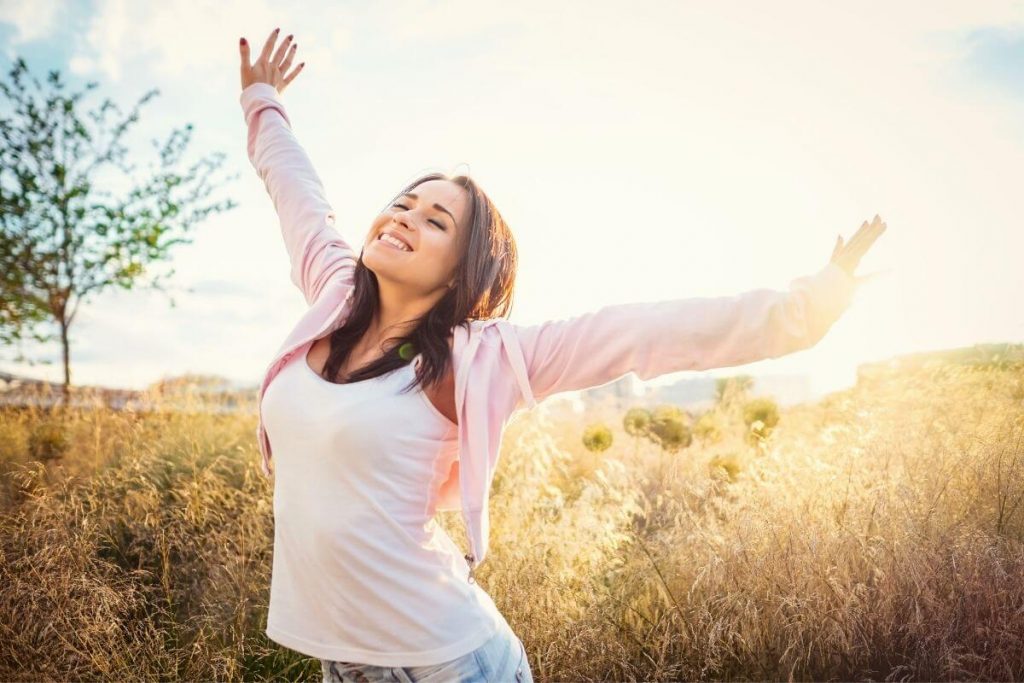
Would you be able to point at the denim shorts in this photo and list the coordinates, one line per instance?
(502, 659)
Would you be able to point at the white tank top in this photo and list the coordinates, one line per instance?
(362, 572)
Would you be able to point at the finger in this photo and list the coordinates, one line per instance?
(288, 60)
(243, 47)
(282, 50)
(293, 74)
(269, 45)
(875, 230)
(862, 240)
(874, 236)
(857, 236)
(838, 247)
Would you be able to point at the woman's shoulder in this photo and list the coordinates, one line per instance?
(487, 330)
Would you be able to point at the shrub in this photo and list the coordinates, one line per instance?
(48, 440)
(760, 415)
(669, 428)
(725, 466)
(597, 438)
(637, 421)
(708, 428)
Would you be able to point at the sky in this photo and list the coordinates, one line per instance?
(639, 152)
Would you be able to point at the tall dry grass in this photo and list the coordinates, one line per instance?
(875, 535)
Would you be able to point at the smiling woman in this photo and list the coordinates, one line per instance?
(363, 577)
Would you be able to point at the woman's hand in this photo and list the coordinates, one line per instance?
(270, 69)
(847, 256)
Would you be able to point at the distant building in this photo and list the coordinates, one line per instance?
(695, 393)
(786, 390)
(616, 395)
(188, 392)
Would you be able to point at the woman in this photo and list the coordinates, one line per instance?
(387, 401)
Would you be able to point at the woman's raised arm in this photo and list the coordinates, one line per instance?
(656, 338)
(316, 250)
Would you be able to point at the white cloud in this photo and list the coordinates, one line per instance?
(32, 20)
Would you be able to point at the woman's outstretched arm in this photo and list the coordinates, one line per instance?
(700, 333)
(317, 252)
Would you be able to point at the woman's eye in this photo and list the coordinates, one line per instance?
(440, 225)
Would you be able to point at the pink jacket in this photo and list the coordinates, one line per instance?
(502, 367)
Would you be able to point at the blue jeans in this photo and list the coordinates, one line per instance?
(502, 659)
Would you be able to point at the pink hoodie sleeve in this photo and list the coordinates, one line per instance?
(660, 337)
(317, 252)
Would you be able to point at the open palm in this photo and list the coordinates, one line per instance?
(270, 68)
(848, 255)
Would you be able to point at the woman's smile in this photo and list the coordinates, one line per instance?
(391, 245)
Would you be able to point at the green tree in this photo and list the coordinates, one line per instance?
(62, 239)
(17, 314)
(729, 389)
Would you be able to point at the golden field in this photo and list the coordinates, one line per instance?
(874, 535)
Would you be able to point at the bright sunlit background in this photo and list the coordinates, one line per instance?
(640, 151)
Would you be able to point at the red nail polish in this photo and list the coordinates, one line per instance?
(241, 41)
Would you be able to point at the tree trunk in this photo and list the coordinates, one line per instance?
(66, 393)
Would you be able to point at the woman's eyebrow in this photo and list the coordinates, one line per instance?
(436, 206)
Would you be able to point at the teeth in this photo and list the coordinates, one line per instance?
(396, 242)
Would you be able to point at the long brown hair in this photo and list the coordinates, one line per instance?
(484, 281)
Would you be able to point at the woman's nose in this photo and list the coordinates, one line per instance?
(404, 221)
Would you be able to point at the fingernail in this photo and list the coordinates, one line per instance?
(241, 41)
(276, 30)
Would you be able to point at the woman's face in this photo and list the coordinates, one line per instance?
(432, 223)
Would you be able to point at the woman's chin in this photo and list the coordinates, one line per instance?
(380, 265)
